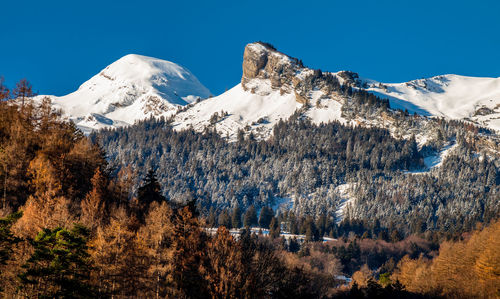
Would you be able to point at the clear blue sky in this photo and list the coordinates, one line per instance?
(58, 45)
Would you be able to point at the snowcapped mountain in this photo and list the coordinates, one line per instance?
(132, 88)
(273, 87)
(451, 96)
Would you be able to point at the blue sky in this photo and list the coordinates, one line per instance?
(58, 45)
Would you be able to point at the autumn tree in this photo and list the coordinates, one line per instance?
(23, 91)
(225, 275)
(4, 90)
(118, 260)
(47, 207)
(93, 205)
(188, 256)
(156, 237)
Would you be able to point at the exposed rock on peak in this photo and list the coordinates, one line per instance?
(263, 61)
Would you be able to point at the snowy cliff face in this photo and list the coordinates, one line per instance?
(272, 88)
(451, 96)
(132, 88)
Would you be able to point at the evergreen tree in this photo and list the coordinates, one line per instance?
(266, 214)
(7, 240)
(236, 217)
(225, 219)
(311, 231)
(274, 228)
(60, 265)
(150, 191)
(293, 245)
(250, 218)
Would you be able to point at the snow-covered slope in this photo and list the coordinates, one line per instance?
(273, 87)
(266, 94)
(451, 96)
(132, 88)
(255, 112)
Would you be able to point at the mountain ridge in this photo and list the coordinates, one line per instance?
(273, 86)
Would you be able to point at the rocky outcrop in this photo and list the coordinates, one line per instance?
(285, 73)
(262, 61)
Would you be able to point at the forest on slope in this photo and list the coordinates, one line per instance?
(73, 226)
(306, 163)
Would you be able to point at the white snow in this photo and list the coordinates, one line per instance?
(435, 161)
(282, 204)
(450, 96)
(347, 200)
(134, 87)
(243, 108)
(257, 111)
(137, 87)
(235, 232)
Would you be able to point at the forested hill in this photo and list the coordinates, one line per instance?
(73, 225)
(315, 143)
(315, 169)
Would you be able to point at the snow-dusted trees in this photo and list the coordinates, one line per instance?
(308, 162)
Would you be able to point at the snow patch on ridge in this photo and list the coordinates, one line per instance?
(452, 96)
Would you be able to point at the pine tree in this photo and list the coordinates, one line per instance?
(274, 228)
(236, 217)
(250, 218)
(225, 219)
(266, 213)
(7, 241)
(150, 191)
(60, 265)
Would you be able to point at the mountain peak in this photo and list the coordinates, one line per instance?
(139, 67)
(132, 88)
(262, 60)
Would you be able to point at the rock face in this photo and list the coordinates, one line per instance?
(254, 59)
(262, 61)
(286, 74)
(273, 87)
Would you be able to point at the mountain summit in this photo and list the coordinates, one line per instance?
(132, 88)
(273, 86)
